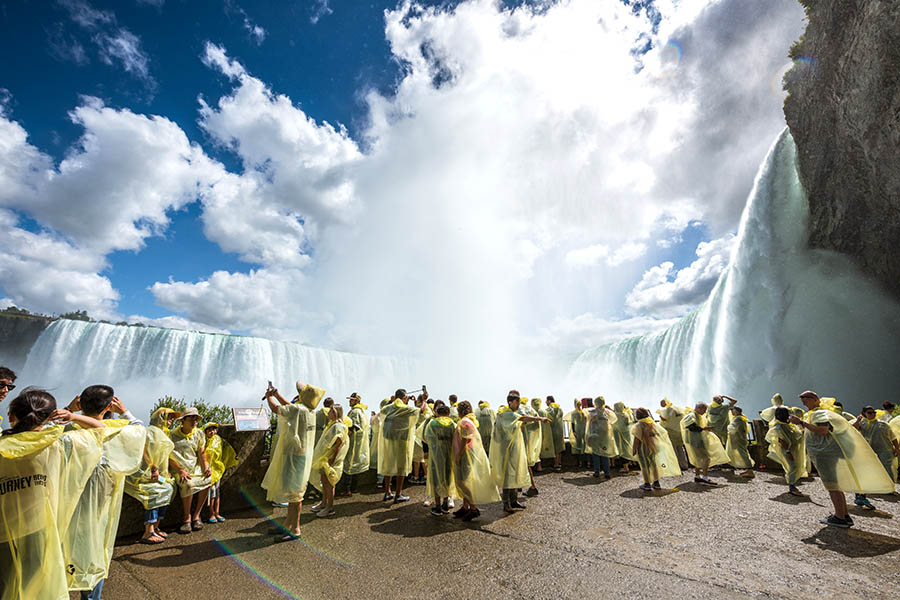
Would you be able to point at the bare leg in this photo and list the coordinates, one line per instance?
(327, 493)
(292, 520)
(399, 485)
(839, 500)
(186, 508)
(201, 500)
(531, 475)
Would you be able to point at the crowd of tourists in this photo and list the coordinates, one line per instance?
(64, 471)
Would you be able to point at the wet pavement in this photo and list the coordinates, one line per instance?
(581, 537)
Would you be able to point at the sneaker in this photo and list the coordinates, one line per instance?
(849, 519)
(317, 507)
(508, 509)
(459, 513)
(185, 528)
(450, 503)
(516, 504)
(864, 503)
(646, 487)
(387, 496)
(656, 485)
(698, 480)
(400, 498)
(436, 511)
(196, 525)
(836, 522)
(533, 491)
(325, 512)
(281, 504)
(427, 502)
(705, 481)
(471, 514)
(597, 475)
(557, 469)
(445, 506)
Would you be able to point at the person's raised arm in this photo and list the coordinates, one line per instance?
(816, 429)
(64, 416)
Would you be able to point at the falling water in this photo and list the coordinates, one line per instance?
(781, 318)
(146, 363)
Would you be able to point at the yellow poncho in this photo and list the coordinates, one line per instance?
(783, 439)
(291, 456)
(548, 450)
(670, 417)
(485, 416)
(91, 533)
(357, 460)
(419, 446)
(622, 430)
(600, 438)
(509, 463)
(737, 446)
(186, 454)
(843, 458)
(395, 452)
(140, 485)
(655, 456)
(42, 476)
(438, 433)
(880, 436)
(718, 415)
(577, 422)
(374, 439)
(767, 414)
(220, 457)
(557, 430)
(703, 447)
(326, 459)
(471, 467)
(531, 434)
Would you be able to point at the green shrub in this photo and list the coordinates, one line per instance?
(215, 413)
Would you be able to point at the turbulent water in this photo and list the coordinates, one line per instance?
(145, 363)
(781, 318)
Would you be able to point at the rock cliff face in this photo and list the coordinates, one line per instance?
(17, 335)
(843, 111)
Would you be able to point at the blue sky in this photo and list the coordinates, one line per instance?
(472, 148)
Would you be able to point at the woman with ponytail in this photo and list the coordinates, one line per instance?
(43, 471)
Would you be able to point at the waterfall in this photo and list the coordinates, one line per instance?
(781, 318)
(146, 363)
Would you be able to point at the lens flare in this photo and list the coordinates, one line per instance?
(669, 59)
(777, 83)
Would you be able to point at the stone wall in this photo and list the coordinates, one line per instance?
(843, 111)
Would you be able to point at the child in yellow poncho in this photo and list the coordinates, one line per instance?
(220, 457)
(653, 451)
(471, 468)
(438, 434)
(786, 446)
(357, 460)
(622, 433)
(670, 417)
(328, 459)
(577, 422)
(533, 435)
(485, 415)
(555, 414)
(151, 484)
(601, 441)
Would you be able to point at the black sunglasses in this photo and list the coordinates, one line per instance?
(9, 386)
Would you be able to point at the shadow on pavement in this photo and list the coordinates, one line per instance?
(788, 498)
(886, 497)
(853, 543)
(856, 511)
(639, 493)
(584, 480)
(699, 488)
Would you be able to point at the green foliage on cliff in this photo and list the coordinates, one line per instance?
(215, 413)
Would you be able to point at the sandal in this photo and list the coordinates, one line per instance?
(196, 525)
(288, 537)
(185, 528)
(152, 540)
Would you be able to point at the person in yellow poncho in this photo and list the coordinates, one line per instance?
(328, 459)
(357, 460)
(738, 445)
(843, 459)
(43, 471)
(717, 414)
(703, 446)
(91, 532)
(622, 433)
(532, 433)
(670, 417)
(375, 440)
(577, 422)
(220, 456)
(883, 442)
(438, 434)
(420, 454)
(557, 431)
(653, 451)
(395, 450)
(509, 463)
(547, 449)
(601, 441)
(192, 473)
(151, 484)
(485, 415)
(767, 414)
(471, 467)
(454, 408)
(291, 457)
(786, 446)
(322, 417)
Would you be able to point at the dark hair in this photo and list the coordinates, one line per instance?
(95, 398)
(442, 411)
(886, 405)
(328, 402)
(867, 409)
(429, 401)
(400, 394)
(31, 408)
(836, 403)
(452, 398)
(739, 410)
(6, 373)
(438, 404)
(641, 413)
(551, 399)
(782, 413)
(464, 408)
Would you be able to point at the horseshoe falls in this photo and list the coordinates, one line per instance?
(146, 363)
(781, 318)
